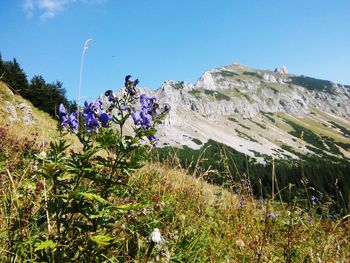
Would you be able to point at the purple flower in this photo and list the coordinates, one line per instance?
(246, 184)
(146, 119)
(108, 93)
(126, 108)
(127, 79)
(62, 110)
(313, 200)
(98, 105)
(166, 107)
(153, 139)
(130, 86)
(62, 114)
(136, 117)
(91, 122)
(144, 101)
(73, 121)
(241, 203)
(104, 119)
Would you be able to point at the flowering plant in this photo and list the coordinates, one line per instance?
(82, 207)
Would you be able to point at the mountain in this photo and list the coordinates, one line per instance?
(259, 113)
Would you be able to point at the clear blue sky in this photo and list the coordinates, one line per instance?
(156, 40)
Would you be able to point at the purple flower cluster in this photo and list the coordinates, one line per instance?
(68, 121)
(144, 118)
(100, 113)
(109, 94)
(130, 86)
(95, 116)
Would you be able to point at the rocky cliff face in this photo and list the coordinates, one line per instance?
(236, 89)
(205, 110)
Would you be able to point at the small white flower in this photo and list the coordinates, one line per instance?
(156, 237)
(42, 154)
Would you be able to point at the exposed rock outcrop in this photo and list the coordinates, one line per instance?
(11, 109)
(28, 117)
(238, 89)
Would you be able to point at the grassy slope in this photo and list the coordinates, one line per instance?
(43, 129)
(205, 223)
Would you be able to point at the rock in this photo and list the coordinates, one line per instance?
(269, 78)
(248, 97)
(28, 118)
(206, 81)
(11, 109)
(283, 70)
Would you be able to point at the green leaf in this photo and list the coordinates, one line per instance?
(45, 244)
(92, 196)
(66, 177)
(102, 240)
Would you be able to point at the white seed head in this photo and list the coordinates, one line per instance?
(156, 237)
(42, 154)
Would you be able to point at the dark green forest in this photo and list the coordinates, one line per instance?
(326, 179)
(45, 96)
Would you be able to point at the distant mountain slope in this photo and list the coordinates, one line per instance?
(259, 112)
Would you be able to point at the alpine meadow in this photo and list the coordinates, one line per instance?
(156, 145)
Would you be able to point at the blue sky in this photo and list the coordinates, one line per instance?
(156, 40)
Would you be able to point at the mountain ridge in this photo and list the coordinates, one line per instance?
(258, 111)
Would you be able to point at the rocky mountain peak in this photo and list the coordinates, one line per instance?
(205, 110)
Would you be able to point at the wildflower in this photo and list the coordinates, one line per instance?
(313, 200)
(147, 119)
(241, 203)
(144, 101)
(127, 79)
(136, 117)
(126, 108)
(166, 108)
(88, 115)
(73, 121)
(110, 95)
(62, 114)
(104, 119)
(148, 104)
(246, 184)
(143, 118)
(42, 154)
(153, 139)
(272, 215)
(130, 85)
(156, 237)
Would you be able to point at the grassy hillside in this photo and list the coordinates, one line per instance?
(199, 222)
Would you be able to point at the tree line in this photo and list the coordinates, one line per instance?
(45, 96)
(325, 178)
